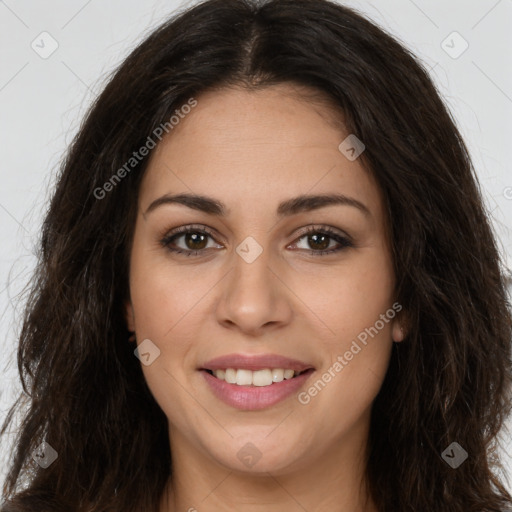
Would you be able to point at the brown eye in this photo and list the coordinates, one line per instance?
(319, 240)
(195, 241)
(187, 240)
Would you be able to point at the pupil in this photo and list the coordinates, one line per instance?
(195, 238)
(325, 243)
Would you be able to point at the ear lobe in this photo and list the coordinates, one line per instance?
(398, 331)
(129, 316)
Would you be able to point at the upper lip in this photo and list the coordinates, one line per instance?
(255, 362)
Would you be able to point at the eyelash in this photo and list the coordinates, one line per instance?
(324, 230)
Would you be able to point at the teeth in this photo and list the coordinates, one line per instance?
(277, 375)
(230, 375)
(243, 377)
(288, 374)
(264, 377)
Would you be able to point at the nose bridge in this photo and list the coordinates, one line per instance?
(251, 276)
(252, 262)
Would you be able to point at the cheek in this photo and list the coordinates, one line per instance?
(167, 311)
(163, 304)
(343, 398)
(358, 344)
(356, 362)
(351, 297)
(164, 296)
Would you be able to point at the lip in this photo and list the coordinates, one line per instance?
(255, 362)
(252, 398)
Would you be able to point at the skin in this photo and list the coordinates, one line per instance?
(252, 150)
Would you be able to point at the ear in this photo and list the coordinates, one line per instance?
(129, 315)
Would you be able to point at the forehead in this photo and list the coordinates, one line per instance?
(257, 148)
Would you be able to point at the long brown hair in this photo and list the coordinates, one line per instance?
(449, 381)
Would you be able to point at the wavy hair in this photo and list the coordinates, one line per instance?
(450, 381)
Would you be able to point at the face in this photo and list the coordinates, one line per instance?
(261, 285)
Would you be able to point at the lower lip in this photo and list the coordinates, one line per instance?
(252, 398)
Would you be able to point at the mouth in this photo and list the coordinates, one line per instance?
(254, 382)
(252, 397)
(259, 378)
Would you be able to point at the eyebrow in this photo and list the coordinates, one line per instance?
(302, 203)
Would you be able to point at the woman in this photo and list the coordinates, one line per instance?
(267, 281)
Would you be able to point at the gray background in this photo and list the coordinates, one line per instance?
(42, 101)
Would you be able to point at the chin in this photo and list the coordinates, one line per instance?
(255, 454)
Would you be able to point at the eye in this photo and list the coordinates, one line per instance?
(195, 240)
(320, 239)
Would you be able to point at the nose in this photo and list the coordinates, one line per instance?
(254, 297)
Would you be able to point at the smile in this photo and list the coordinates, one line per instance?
(251, 397)
(261, 378)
